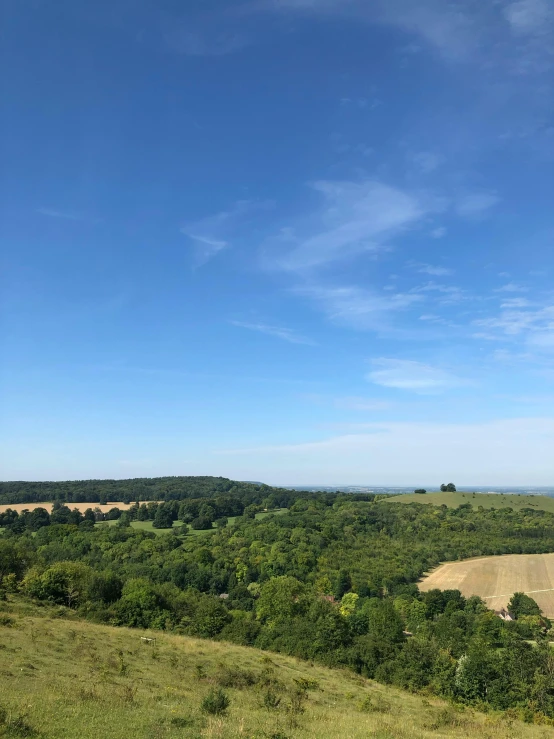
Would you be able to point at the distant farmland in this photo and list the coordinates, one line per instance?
(495, 579)
(490, 500)
(80, 506)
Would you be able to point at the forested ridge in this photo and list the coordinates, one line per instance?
(333, 580)
(125, 491)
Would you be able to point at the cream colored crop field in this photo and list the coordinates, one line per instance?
(496, 579)
(80, 506)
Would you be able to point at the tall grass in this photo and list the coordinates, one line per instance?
(61, 678)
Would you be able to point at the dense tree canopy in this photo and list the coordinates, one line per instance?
(333, 579)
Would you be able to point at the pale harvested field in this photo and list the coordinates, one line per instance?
(496, 579)
(80, 506)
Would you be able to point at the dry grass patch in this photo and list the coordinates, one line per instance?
(496, 579)
(67, 679)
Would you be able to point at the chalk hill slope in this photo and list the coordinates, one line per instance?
(62, 678)
(487, 500)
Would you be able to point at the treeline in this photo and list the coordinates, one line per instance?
(332, 580)
(128, 491)
(200, 513)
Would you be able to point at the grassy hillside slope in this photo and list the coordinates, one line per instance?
(62, 678)
(500, 500)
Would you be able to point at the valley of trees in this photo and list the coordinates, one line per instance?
(332, 580)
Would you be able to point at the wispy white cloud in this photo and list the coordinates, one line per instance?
(63, 214)
(354, 217)
(431, 269)
(426, 161)
(216, 232)
(358, 308)
(529, 17)
(404, 374)
(486, 33)
(438, 233)
(475, 205)
(531, 323)
(362, 404)
(515, 451)
(279, 332)
(515, 303)
(448, 294)
(511, 287)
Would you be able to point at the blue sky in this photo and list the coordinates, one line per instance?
(298, 241)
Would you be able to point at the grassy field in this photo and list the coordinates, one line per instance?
(140, 525)
(496, 579)
(453, 500)
(147, 525)
(67, 679)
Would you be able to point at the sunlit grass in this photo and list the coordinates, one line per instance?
(65, 678)
(487, 500)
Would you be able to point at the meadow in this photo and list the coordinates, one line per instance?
(63, 678)
(486, 500)
(147, 525)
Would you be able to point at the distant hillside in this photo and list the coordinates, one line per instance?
(126, 491)
(71, 679)
(499, 500)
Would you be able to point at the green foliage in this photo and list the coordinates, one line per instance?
(281, 598)
(420, 491)
(215, 703)
(270, 700)
(268, 583)
(376, 704)
(523, 605)
(163, 518)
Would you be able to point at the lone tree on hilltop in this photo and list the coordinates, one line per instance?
(450, 488)
(420, 491)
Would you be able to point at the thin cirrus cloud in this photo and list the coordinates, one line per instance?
(503, 452)
(431, 269)
(355, 403)
(529, 17)
(403, 374)
(354, 217)
(494, 34)
(63, 214)
(279, 332)
(476, 204)
(216, 232)
(521, 322)
(511, 287)
(356, 307)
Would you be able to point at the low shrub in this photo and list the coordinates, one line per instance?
(377, 704)
(270, 700)
(235, 677)
(215, 703)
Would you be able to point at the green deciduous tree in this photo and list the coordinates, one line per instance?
(523, 605)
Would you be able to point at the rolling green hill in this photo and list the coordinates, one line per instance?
(500, 500)
(62, 678)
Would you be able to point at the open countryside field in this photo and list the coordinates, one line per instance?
(68, 679)
(79, 506)
(496, 579)
(487, 500)
(147, 525)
